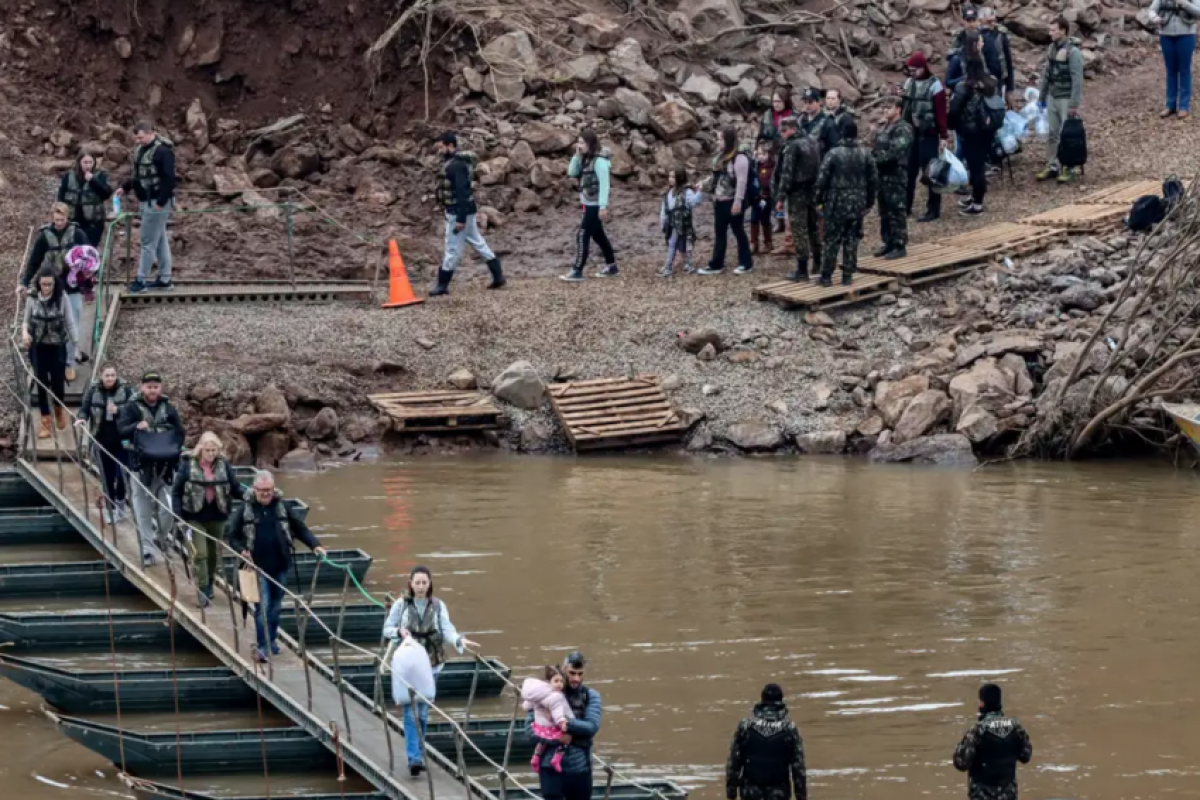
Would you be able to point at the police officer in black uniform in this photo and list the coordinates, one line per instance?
(766, 756)
(990, 750)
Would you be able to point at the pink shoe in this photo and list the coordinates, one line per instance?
(556, 759)
(534, 762)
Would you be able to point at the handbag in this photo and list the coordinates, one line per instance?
(248, 584)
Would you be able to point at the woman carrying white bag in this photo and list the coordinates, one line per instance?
(423, 622)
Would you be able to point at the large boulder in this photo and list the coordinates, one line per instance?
(197, 125)
(997, 344)
(1082, 296)
(512, 55)
(619, 162)
(822, 442)
(299, 460)
(521, 156)
(520, 385)
(943, 449)
(600, 32)
(545, 139)
(710, 17)
(673, 120)
(250, 424)
(627, 62)
(892, 397)
(230, 183)
(353, 139)
(270, 448)
(237, 447)
(1016, 366)
(1029, 24)
(323, 426)
(493, 171)
(296, 161)
(985, 383)
(635, 106)
(703, 88)
(584, 69)
(926, 411)
(754, 436)
(978, 424)
(503, 88)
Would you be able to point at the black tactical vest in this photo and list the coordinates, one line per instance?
(81, 198)
(767, 758)
(996, 754)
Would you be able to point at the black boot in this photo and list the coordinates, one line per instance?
(880, 252)
(443, 284)
(827, 276)
(801, 273)
(899, 252)
(498, 279)
(847, 276)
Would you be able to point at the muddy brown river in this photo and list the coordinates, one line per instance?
(878, 597)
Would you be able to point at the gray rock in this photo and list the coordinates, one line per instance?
(923, 414)
(521, 156)
(299, 460)
(984, 383)
(821, 394)
(635, 106)
(822, 442)
(323, 426)
(694, 341)
(584, 69)
(462, 379)
(600, 32)
(702, 88)
(707, 353)
(536, 436)
(943, 449)
(892, 397)
(754, 436)
(977, 424)
(710, 17)
(731, 75)
(546, 139)
(520, 385)
(628, 63)
(1082, 296)
(746, 91)
(673, 120)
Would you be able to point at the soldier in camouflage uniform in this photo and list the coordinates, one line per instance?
(990, 750)
(846, 188)
(792, 186)
(766, 757)
(892, 145)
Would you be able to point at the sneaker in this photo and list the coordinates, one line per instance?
(136, 287)
(275, 649)
(742, 270)
(1066, 176)
(574, 276)
(202, 599)
(972, 210)
(993, 170)
(965, 203)
(149, 559)
(69, 374)
(415, 770)
(160, 284)
(689, 269)
(122, 513)
(1047, 173)
(711, 271)
(107, 516)
(847, 279)
(610, 271)
(260, 656)
(665, 272)
(1167, 112)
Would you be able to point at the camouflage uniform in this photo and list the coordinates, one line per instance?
(989, 753)
(765, 752)
(846, 188)
(796, 196)
(892, 145)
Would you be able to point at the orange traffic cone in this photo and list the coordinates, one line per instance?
(400, 291)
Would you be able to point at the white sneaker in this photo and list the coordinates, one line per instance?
(108, 516)
(742, 270)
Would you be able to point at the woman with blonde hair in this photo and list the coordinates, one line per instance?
(203, 495)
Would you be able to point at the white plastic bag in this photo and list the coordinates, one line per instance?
(411, 667)
(1041, 126)
(1015, 125)
(946, 173)
(958, 170)
(1030, 110)
(1009, 143)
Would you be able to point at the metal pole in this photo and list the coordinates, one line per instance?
(381, 705)
(512, 727)
(230, 588)
(466, 727)
(412, 709)
(337, 664)
(302, 622)
(128, 245)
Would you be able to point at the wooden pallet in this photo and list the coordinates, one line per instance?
(1125, 193)
(1080, 218)
(812, 296)
(616, 412)
(1008, 239)
(438, 411)
(931, 261)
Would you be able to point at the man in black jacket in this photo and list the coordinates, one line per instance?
(153, 183)
(154, 431)
(990, 750)
(263, 532)
(456, 194)
(766, 756)
(997, 51)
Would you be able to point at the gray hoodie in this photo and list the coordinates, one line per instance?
(1178, 16)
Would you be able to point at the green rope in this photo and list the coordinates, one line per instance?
(353, 577)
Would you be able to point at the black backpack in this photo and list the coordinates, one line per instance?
(1148, 210)
(989, 114)
(1172, 192)
(806, 164)
(1072, 144)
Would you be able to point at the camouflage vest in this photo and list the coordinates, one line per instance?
(887, 138)
(248, 529)
(426, 628)
(724, 183)
(679, 217)
(81, 197)
(918, 104)
(47, 322)
(445, 189)
(145, 174)
(1058, 69)
(58, 243)
(194, 488)
(589, 181)
(119, 396)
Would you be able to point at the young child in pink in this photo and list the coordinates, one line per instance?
(551, 711)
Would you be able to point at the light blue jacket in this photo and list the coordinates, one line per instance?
(601, 165)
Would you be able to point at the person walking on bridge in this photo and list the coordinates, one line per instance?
(153, 183)
(46, 332)
(574, 782)
(456, 195)
(263, 532)
(766, 756)
(99, 413)
(85, 191)
(154, 431)
(202, 495)
(991, 748)
(420, 615)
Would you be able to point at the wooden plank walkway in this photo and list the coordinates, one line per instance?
(1080, 218)
(616, 412)
(1125, 193)
(812, 296)
(1008, 238)
(249, 292)
(930, 261)
(438, 411)
(363, 744)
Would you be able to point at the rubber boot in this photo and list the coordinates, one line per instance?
(498, 279)
(801, 273)
(754, 228)
(827, 274)
(768, 238)
(847, 276)
(443, 284)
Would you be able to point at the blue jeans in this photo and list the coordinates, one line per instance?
(154, 244)
(1177, 56)
(271, 594)
(413, 738)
